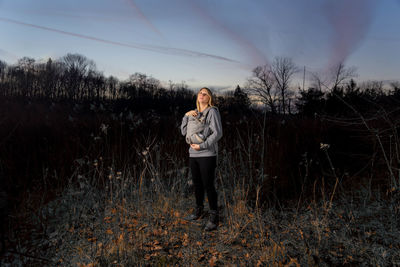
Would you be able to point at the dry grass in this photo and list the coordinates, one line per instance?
(133, 216)
(140, 223)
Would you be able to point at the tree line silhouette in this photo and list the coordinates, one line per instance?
(74, 77)
(51, 110)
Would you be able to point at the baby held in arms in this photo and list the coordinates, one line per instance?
(195, 129)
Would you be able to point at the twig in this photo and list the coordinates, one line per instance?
(376, 135)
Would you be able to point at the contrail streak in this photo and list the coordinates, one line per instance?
(143, 17)
(68, 15)
(153, 48)
(256, 55)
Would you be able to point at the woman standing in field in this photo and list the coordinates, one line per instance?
(203, 154)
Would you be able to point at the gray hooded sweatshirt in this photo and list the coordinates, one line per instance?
(213, 132)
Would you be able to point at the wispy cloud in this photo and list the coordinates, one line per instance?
(350, 21)
(153, 48)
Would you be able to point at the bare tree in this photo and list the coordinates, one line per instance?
(271, 84)
(340, 74)
(283, 70)
(372, 88)
(335, 78)
(372, 85)
(78, 63)
(76, 68)
(395, 85)
(3, 66)
(317, 81)
(145, 83)
(26, 67)
(94, 85)
(46, 76)
(261, 86)
(112, 87)
(26, 64)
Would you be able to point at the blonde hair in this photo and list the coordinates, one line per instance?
(210, 100)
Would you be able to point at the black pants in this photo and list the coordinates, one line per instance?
(203, 174)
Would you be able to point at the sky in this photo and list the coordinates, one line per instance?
(203, 42)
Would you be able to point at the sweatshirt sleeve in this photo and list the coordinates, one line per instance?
(215, 127)
(184, 125)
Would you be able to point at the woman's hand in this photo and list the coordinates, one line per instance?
(191, 113)
(195, 147)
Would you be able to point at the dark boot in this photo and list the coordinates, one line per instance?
(213, 221)
(198, 213)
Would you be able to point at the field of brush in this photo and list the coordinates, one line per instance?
(94, 184)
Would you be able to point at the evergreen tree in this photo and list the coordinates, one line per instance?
(241, 99)
(310, 102)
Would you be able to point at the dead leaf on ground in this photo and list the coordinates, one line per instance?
(212, 261)
(202, 257)
(109, 232)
